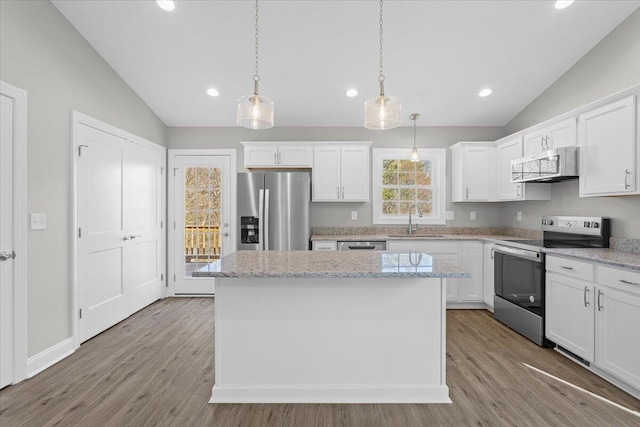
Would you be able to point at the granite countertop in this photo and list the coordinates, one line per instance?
(404, 237)
(603, 256)
(329, 264)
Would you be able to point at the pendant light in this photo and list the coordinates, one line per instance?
(254, 111)
(414, 153)
(382, 112)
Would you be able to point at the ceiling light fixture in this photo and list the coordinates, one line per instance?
(382, 112)
(562, 4)
(485, 92)
(351, 93)
(414, 153)
(167, 5)
(254, 111)
(212, 92)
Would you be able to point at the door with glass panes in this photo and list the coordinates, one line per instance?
(202, 229)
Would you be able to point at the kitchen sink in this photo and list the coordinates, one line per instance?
(415, 236)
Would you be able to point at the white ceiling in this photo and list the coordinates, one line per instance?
(437, 55)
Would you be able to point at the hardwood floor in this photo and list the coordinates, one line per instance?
(156, 368)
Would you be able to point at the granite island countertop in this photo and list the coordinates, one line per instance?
(330, 264)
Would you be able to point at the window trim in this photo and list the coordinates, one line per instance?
(439, 175)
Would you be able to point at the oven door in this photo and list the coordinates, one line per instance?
(519, 277)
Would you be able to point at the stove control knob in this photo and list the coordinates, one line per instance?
(595, 225)
(544, 222)
(587, 224)
(550, 222)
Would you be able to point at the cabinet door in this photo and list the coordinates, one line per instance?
(453, 285)
(489, 275)
(608, 149)
(354, 173)
(508, 151)
(561, 134)
(617, 334)
(534, 142)
(471, 289)
(477, 161)
(326, 173)
(569, 315)
(265, 155)
(295, 156)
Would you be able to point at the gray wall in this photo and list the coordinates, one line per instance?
(339, 214)
(611, 66)
(43, 54)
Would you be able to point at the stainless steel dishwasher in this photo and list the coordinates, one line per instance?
(362, 246)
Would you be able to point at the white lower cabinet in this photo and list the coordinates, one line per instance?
(324, 245)
(489, 275)
(596, 321)
(461, 293)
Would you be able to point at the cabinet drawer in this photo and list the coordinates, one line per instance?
(571, 268)
(617, 277)
(325, 246)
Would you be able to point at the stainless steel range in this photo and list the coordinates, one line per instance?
(519, 269)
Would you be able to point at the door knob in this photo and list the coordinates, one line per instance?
(225, 234)
(7, 255)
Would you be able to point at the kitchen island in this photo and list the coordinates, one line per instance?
(330, 327)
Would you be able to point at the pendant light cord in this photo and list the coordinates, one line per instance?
(256, 77)
(381, 75)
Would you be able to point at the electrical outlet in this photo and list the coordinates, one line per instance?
(449, 216)
(38, 221)
(354, 215)
(472, 215)
(518, 216)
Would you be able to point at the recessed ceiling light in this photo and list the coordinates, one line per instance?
(485, 92)
(351, 93)
(212, 92)
(167, 5)
(561, 4)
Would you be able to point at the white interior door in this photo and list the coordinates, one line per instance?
(119, 237)
(6, 241)
(203, 218)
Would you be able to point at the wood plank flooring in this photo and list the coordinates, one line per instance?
(156, 369)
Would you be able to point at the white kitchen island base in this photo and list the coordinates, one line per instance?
(330, 340)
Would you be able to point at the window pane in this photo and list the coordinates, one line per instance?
(203, 177)
(215, 179)
(215, 200)
(403, 208)
(202, 218)
(190, 200)
(424, 166)
(389, 179)
(190, 178)
(407, 194)
(406, 166)
(190, 218)
(426, 208)
(425, 194)
(389, 194)
(390, 165)
(389, 208)
(423, 178)
(407, 179)
(215, 219)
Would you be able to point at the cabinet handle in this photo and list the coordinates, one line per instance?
(493, 254)
(546, 142)
(518, 191)
(586, 289)
(275, 158)
(542, 143)
(343, 192)
(338, 191)
(629, 283)
(467, 193)
(279, 157)
(599, 305)
(627, 172)
(566, 268)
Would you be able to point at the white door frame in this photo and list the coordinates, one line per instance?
(19, 97)
(78, 119)
(232, 153)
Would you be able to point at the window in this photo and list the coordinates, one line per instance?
(399, 184)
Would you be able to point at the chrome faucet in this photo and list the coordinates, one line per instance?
(412, 228)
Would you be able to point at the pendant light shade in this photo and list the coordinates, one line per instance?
(382, 112)
(255, 111)
(414, 152)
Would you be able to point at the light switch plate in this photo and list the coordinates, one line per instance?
(354, 215)
(472, 215)
(449, 216)
(38, 221)
(519, 216)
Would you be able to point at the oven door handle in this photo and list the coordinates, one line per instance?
(530, 255)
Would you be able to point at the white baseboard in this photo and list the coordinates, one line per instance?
(331, 394)
(471, 305)
(49, 357)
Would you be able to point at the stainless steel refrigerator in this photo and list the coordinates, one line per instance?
(273, 210)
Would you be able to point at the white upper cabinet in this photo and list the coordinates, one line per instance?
(609, 154)
(341, 173)
(473, 171)
(290, 154)
(507, 150)
(557, 135)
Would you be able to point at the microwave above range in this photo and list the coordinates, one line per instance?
(554, 165)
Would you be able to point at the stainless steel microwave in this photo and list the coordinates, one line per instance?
(549, 166)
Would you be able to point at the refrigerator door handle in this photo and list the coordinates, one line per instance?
(266, 219)
(261, 220)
